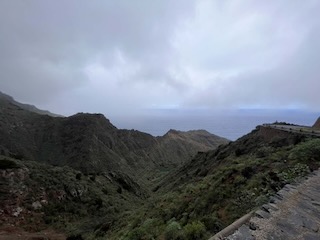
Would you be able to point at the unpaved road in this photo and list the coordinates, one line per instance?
(295, 128)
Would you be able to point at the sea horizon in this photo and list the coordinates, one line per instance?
(230, 124)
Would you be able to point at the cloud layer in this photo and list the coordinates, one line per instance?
(122, 56)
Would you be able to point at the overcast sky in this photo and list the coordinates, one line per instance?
(125, 56)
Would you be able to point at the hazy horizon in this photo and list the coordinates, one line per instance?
(228, 123)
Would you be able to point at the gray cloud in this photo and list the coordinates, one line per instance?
(293, 83)
(122, 56)
(47, 45)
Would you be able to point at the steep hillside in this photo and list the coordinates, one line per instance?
(28, 107)
(219, 186)
(317, 124)
(36, 195)
(194, 140)
(90, 143)
(81, 174)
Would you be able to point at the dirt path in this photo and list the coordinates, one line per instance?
(295, 129)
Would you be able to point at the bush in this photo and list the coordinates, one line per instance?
(7, 164)
(93, 177)
(75, 237)
(212, 223)
(247, 172)
(173, 231)
(298, 170)
(195, 230)
(136, 234)
(238, 152)
(78, 176)
(306, 151)
(148, 230)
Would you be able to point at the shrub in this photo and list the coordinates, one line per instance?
(173, 231)
(238, 152)
(119, 190)
(136, 234)
(212, 223)
(195, 230)
(75, 237)
(78, 176)
(306, 151)
(145, 231)
(298, 170)
(7, 163)
(247, 172)
(93, 177)
(105, 190)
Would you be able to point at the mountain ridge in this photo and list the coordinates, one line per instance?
(28, 107)
(91, 143)
(84, 176)
(82, 166)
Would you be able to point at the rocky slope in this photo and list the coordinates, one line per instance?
(80, 173)
(90, 143)
(317, 124)
(36, 195)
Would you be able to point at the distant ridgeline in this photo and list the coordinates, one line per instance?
(90, 143)
(28, 107)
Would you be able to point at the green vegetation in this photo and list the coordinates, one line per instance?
(193, 205)
(198, 200)
(173, 231)
(85, 177)
(77, 205)
(306, 152)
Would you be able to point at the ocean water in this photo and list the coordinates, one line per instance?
(230, 124)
